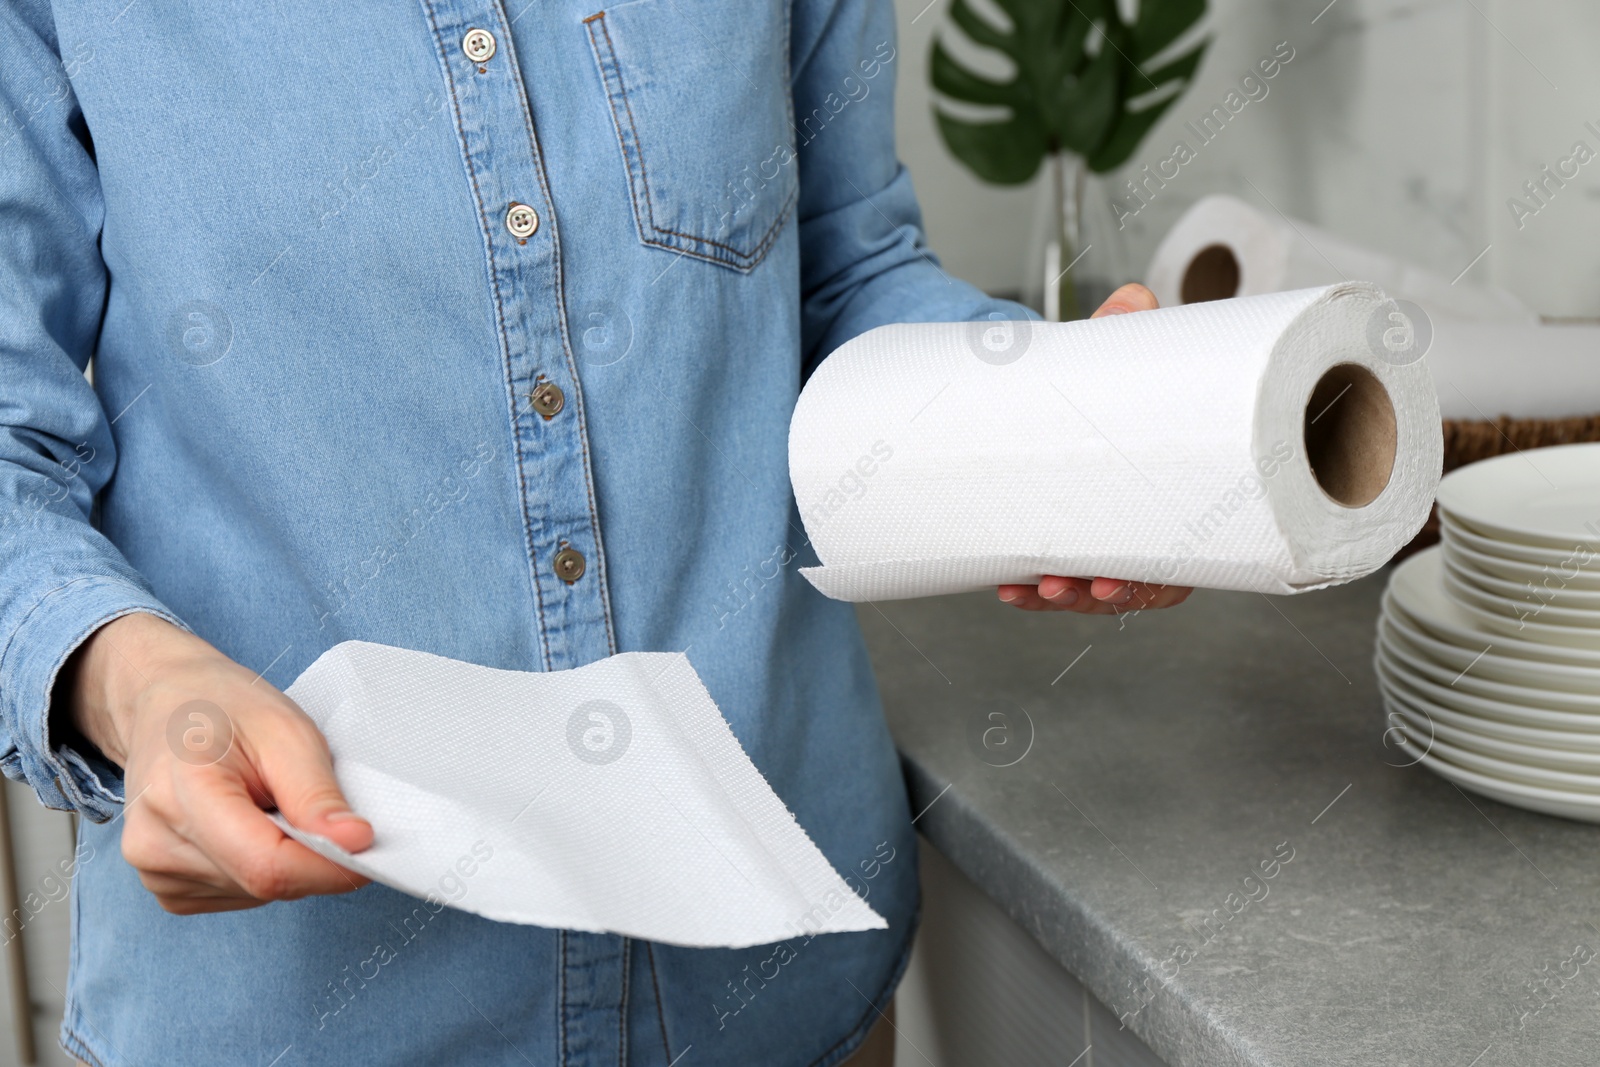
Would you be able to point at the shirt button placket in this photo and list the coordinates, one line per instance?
(506, 175)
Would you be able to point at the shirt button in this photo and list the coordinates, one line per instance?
(548, 399)
(522, 220)
(569, 565)
(478, 45)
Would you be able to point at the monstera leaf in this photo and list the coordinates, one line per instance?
(1079, 69)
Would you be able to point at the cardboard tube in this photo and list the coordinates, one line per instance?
(1350, 434)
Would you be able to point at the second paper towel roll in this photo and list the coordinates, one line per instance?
(1223, 247)
(1260, 443)
(1489, 353)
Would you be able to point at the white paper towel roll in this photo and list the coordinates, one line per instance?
(1223, 247)
(1260, 443)
(1489, 353)
(1487, 369)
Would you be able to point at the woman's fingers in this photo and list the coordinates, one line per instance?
(250, 850)
(1137, 596)
(1099, 596)
(296, 771)
(209, 842)
(186, 896)
(1131, 297)
(196, 832)
(1065, 594)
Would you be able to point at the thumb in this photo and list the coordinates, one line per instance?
(297, 773)
(1131, 297)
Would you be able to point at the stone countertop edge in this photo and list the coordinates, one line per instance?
(1087, 947)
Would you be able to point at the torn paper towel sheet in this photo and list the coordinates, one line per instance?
(611, 798)
(1266, 443)
(1223, 247)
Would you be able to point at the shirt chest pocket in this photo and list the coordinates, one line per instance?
(699, 96)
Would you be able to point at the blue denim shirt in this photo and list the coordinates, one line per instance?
(385, 314)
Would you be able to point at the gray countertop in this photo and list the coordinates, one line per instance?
(1176, 755)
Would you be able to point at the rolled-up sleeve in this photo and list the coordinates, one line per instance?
(864, 258)
(60, 579)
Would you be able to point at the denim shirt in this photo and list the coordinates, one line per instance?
(472, 329)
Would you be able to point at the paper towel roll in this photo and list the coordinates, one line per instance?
(1489, 353)
(1487, 369)
(1223, 247)
(1260, 443)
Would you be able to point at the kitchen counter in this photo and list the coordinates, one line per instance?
(1195, 813)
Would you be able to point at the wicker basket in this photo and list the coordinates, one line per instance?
(1467, 441)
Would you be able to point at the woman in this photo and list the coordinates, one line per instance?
(462, 329)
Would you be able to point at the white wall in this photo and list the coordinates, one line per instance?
(1404, 125)
(44, 848)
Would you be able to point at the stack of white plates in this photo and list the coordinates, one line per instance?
(1489, 645)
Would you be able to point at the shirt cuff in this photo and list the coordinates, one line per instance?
(63, 777)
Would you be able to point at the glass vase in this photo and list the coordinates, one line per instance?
(1077, 255)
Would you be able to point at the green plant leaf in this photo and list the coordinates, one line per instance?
(1132, 126)
(1127, 135)
(1089, 105)
(981, 30)
(1005, 153)
(958, 83)
(1061, 95)
(1071, 35)
(1161, 23)
(1183, 67)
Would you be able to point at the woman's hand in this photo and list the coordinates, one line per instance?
(206, 745)
(1099, 596)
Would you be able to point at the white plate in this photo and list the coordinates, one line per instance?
(1579, 806)
(1575, 574)
(1487, 662)
(1425, 726)
(1472, 680)
(1547, 496)
(1463, 584)
(1499, 769)
(1585, 559)
(1503, 617)
(1416, 590)
(1454, 527)
(1575, 744)
(1396, 678)
(1549, 588)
